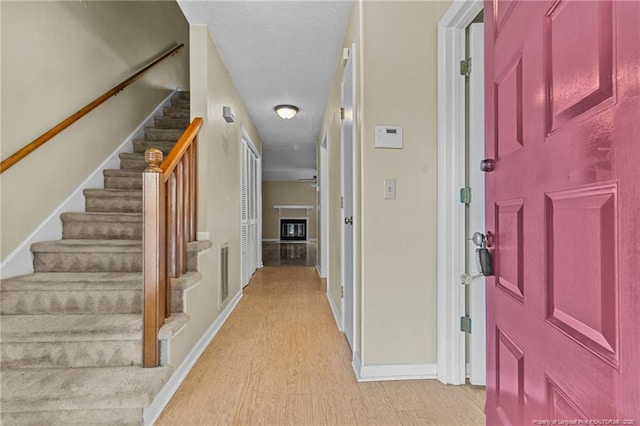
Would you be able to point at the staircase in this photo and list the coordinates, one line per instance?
(71, 332)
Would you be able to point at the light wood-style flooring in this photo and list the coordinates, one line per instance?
(279, 359)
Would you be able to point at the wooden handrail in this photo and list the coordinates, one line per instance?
(172, 160)
(169, 206)
(49, 134)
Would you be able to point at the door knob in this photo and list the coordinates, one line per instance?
(348, 220)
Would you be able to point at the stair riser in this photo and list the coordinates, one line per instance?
(163, 134)
(78, 354)
(87, 262)
(172, 123)
(181, 103)
(131, 162)
(176, 112)
(86, 302)
(120, 182)
(84, 230)
(119, 416)
(142, 145)
(113, 204)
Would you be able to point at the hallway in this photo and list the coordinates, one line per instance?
(279, 359)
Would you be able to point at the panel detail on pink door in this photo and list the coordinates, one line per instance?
(582, 284)
(508, 97)
(560, 405)
(510, 380)
(578, 79)
(502, 10)
(510, 246)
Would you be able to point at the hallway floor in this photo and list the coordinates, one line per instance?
(279, 359)
(289, 254)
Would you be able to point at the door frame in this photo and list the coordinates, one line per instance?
(451, 177)
(350, 61)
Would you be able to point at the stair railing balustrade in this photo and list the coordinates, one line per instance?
(55, 130)
(169, 215)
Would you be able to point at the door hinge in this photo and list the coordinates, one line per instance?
(465, 324)
(342, 202)
(341, 113)
(342, 292)
(465, 67)
(465, 195)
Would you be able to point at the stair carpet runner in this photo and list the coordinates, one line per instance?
(71, 332)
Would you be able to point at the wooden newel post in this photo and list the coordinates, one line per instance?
(154, 261)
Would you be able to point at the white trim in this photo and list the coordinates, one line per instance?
(270, 240)
(203, 236)
(334, 311)
(153, 411)
(377, 373)
(451, 152)
(323, 253)
(20, 260)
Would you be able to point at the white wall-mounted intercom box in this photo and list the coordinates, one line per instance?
(389, 137)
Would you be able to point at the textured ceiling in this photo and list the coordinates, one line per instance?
(279, 52)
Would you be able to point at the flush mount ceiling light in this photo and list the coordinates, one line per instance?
(286, 111)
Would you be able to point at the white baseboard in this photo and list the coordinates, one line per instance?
(20, 260)
(153, 411)
(376, 373)
(334, 311)
(270, 240)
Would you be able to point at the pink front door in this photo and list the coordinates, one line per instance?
(563, 208)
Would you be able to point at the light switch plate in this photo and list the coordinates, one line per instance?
(389, 189)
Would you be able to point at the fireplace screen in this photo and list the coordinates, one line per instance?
(293, 229)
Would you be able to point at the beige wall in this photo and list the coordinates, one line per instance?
(395, 239)
(56, 57)
(218, 184)
(287, 193)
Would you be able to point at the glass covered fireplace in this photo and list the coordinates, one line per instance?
(293, 229)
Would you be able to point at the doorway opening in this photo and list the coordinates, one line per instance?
(461, 309)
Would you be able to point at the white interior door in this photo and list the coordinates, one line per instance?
(324, 212)
(347, 141)
(476, 306)
(244, 213)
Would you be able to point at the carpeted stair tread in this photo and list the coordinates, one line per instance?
(87, 256)
(87, 246)
(176, 112)
(101, 225)
(141, 145)
(152, 133)
(122, 179)
(105, 417)
(70, 328)
(171, 122)
(99, 281)
(57, 293)
(81, 388)
(113, 200)
(132, 161)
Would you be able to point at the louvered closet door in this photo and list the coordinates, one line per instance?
(244, 233)
(253, 219)
(563, 202)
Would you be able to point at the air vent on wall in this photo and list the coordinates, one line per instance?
(224, 273)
